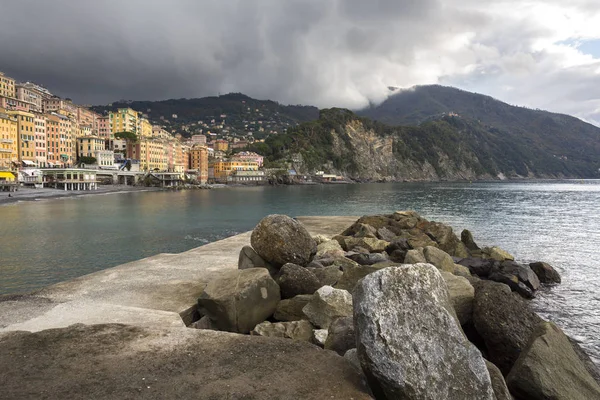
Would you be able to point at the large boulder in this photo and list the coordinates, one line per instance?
(519, 278)
(279, 239)
(294, 280)
(408, 342)
(461, 294)
(327, 275)
(125, 362)
(549, 368)
(504, 321)
(291, 309)
(438, 258)
(497, 253)
(479, 266)
(341, 337)
(240, 299)
(545, 272)
(296, 330)
(326, 305)
(498, 383)
(354, 272)
(467, 238)
(415, 256)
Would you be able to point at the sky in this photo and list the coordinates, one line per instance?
(345, 53)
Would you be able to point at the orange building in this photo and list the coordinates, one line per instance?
(8, 141)
(199, 162)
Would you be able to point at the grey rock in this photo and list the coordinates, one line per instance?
(320, 239)
(328, 304)
(295, 330)
(279, 239)
(549, 368)
(250, 259)
(386, 234)
(439, 258)
(373, 245)
(467, 238)
(117, 361)
(524, 273)
(314, 264)
(319, 337)
(327, 275)
(204, 323)
(398, 244)
(497, 253)
(352, 356)
(504, 321)
(240, 299)
(329, 249)
(498, 384)
(354, 272)
(294, 280)
(341, 337)
(415, 256)
(462, 295)
(368, 258)
(365, 230)
(408, 342)
(545, 272)
(591, 367)
(291, 309)
(479, 266)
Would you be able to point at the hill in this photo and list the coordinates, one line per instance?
(234, 114)
(447, 148)
(530, 131)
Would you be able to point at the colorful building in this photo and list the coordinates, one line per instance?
(221, 145)
(124, 120)
(199, 162)
(41, 156)
(151, 154)
(10, 103)
(60, 145)
(223, 168)
(145, 128)
(104, 127)
(8, 141)
(31, 96)
(88, 146)
(7, 86)
(25, 137)
(249, 156)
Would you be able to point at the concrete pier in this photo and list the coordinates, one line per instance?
(158, 292)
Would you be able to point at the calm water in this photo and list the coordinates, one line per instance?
(558, 222)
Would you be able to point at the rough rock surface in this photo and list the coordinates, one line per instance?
(296, 330)
(240, 299)
(439, 258)
(497, 253)
(415, 256)
(341, 337)
(545, 272)
(204, 323)
(330, 248)
(353, 272)
(328, 304)
(291, 309)
(250, 259)
(279, 239)
(467, 238)
(498, 383)
(549, 368)
(294, 280)
(461, 294)
(319, 337)
(327, 275)
(504, 321)
(408, 341)
(125, 362)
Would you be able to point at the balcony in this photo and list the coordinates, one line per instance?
(6, 141)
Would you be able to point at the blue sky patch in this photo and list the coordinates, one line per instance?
(591, 47)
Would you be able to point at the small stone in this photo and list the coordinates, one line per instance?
(328, 304)
(291, 309)
(341, 335)
(294, 280)
(295, 330)
(319, 337)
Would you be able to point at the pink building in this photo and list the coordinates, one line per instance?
(10, 103)
(104, 130)
(250, 156)
(41, 152)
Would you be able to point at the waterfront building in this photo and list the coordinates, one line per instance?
(41, 156)
(199, 162)
(124, 120)
(60, 142)
(88, 146)
(151, 154)
(246, 177)
(224, 168)
(7, 86)
(25, 137)
(9, 155)
(30, 95)
(69, 179)
(221, 145)
(105, 158)
(145, 128)
(104, 127)
(249, 156)
(176, 155)
(10, 103)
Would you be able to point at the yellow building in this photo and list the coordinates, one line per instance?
(7, 86)
(224, 168)
(25, 137)
(124, 120)
(87, 146)
(199, 162)
(152, 154)
(8, 141)
(145, 128)
(221, 145)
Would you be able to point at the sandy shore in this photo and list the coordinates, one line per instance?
(31, 194)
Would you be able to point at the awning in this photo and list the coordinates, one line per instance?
(27, 162)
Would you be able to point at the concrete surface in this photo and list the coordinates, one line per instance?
(159, 291)
(127, 362)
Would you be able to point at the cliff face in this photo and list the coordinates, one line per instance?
(449, 148)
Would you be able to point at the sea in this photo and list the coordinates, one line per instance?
(48, 241)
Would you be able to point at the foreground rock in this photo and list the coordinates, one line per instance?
(250, 259)
(279, 239)
(340, 336)
(461, 294)
(240, 299)
(328, 304)
(295, 280)
(498, 383)
(408, 342)
(549, 368)
(504, 321)
(125, 362)
(545, 272)
(291, 309)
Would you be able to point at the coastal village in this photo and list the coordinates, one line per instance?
(50, 142)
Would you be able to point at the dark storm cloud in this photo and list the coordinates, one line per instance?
(322, 52)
